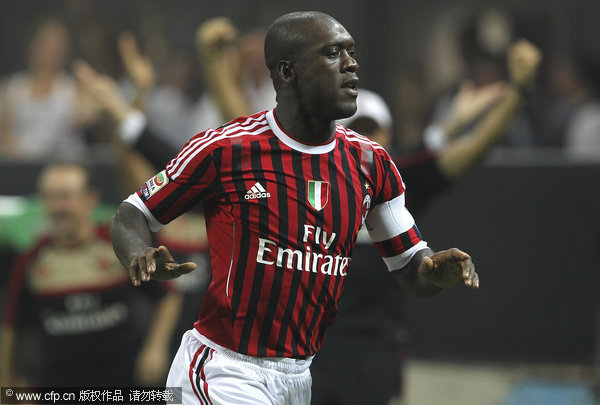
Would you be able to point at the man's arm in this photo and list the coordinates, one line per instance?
(214, 42)
(7, 349)
(153, 359)
(132, 125)
(132, 242)
(415, 266)
(428, 273)
(138, 67)
(462, 154)
(469, 104)
(7, 141)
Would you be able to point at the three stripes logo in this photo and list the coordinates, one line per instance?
(257, 191)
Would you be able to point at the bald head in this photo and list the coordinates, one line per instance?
(289, 34)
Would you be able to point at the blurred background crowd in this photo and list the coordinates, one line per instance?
(75, 75)
(413, 54)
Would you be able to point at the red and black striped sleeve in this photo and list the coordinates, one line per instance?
(391, 226)
(188, 180)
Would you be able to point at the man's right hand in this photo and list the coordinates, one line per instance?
(470, 103)
(137, 65)
(214, 35)
(523, 61)
(157, 264)
(103, 89)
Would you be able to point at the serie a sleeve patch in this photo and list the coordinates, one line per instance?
(153, 185)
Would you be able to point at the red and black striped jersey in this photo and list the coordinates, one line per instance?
(282, 218)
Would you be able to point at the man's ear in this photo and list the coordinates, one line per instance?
(286, 71)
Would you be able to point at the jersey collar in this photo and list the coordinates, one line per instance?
(294, 144)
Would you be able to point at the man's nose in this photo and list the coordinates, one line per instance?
(350, 64)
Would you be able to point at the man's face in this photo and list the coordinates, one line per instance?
(327, 82)
(50, 48)
(67, 199)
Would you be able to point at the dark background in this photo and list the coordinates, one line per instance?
(530, 221)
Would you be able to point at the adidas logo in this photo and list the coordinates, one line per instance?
(257, 191)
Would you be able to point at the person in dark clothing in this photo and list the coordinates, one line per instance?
(370, 331)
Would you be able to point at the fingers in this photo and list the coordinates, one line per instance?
(83, 71)
(158, 264)
(453, 253)
(164, 254)
(475, 282)
(466, 86)
(526, 51)
(214, 34)
(523, 61)
(428, 264)
(86, 76)
(450, 268)
(150, 255)
(129, 51)
(169, 268)
(137, 65)
(491, 93)
(186, 268)
(101, 87)
(134, 273)
(470, 277)
(142, 266)
(127, 45)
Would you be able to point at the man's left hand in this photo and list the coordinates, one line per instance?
(449, 268)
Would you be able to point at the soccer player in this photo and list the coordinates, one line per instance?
(285, 193)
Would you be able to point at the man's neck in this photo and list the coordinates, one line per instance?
(302, 127)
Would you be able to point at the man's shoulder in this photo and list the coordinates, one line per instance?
(237, 128)
(27, 257)
(41, 242)
(249, 124)
(356, 140)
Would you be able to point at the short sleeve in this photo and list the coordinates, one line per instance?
(391, 226)
(188, 180)
(388, 181)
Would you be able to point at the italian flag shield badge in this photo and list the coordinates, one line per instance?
(318, 194)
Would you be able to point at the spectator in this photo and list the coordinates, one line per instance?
(41, 115)
(138, 147)
(376, 335)
(235, 74)
(577, 85)
(70, 290)
(163, 92)
(482, 43)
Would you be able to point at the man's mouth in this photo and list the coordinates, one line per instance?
(352, 86)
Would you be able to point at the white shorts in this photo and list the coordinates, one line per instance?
(209, 374)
